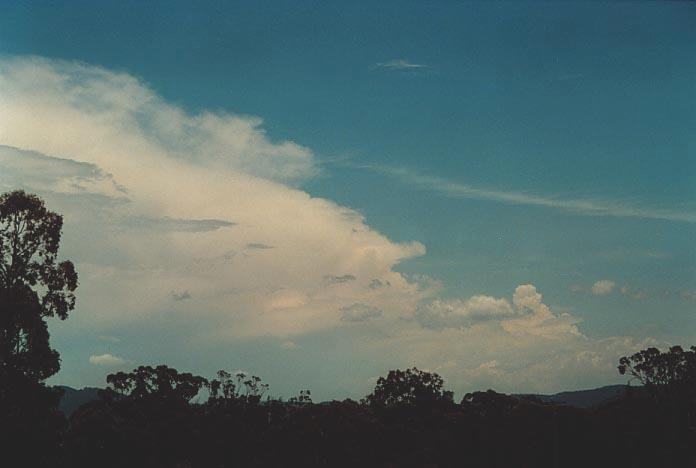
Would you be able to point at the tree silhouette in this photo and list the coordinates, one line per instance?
(159, 383)
(408, 387)
(669, 375)
(241, 388)
(33, 285)
(654, 368)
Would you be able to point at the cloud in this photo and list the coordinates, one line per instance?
(527, 315)
(104, 150)
(603, 287)
(81, 92)
(457, 313)
(586, 207)
(538, 319)
(106, 360)
(359, 313)
(155, 198)
(43, 173)
(521, 343)
(400, 64)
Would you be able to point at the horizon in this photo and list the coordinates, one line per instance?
(502, 193)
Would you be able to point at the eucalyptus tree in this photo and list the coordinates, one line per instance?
(34, 286)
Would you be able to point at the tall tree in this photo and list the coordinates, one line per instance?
(33, 286)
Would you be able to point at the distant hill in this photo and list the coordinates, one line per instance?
(583, 398)
(73, 399)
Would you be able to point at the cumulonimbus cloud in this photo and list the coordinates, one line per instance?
(158, 200)
(103, 149)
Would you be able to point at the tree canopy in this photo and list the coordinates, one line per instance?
(160, 383)
(34, 285)
(408, 387)
(670, 374)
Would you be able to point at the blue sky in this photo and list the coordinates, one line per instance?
(518, 143)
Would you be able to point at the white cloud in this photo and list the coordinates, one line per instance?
(107, 360)
(524, 345)
(159, 200)
(458, 313)
(540, 320)
(527, 315)
(603, 287)
(117, 106)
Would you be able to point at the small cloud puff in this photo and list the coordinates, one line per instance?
(603, 287)
(107, 359)
(359, 313)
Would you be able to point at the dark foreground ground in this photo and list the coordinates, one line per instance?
(485, 430)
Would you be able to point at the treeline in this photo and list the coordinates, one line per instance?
(159, 417)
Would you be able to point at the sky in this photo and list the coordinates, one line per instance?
(318, 192)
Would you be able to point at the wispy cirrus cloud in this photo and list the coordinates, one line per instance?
(400, 64)
(587, 207)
